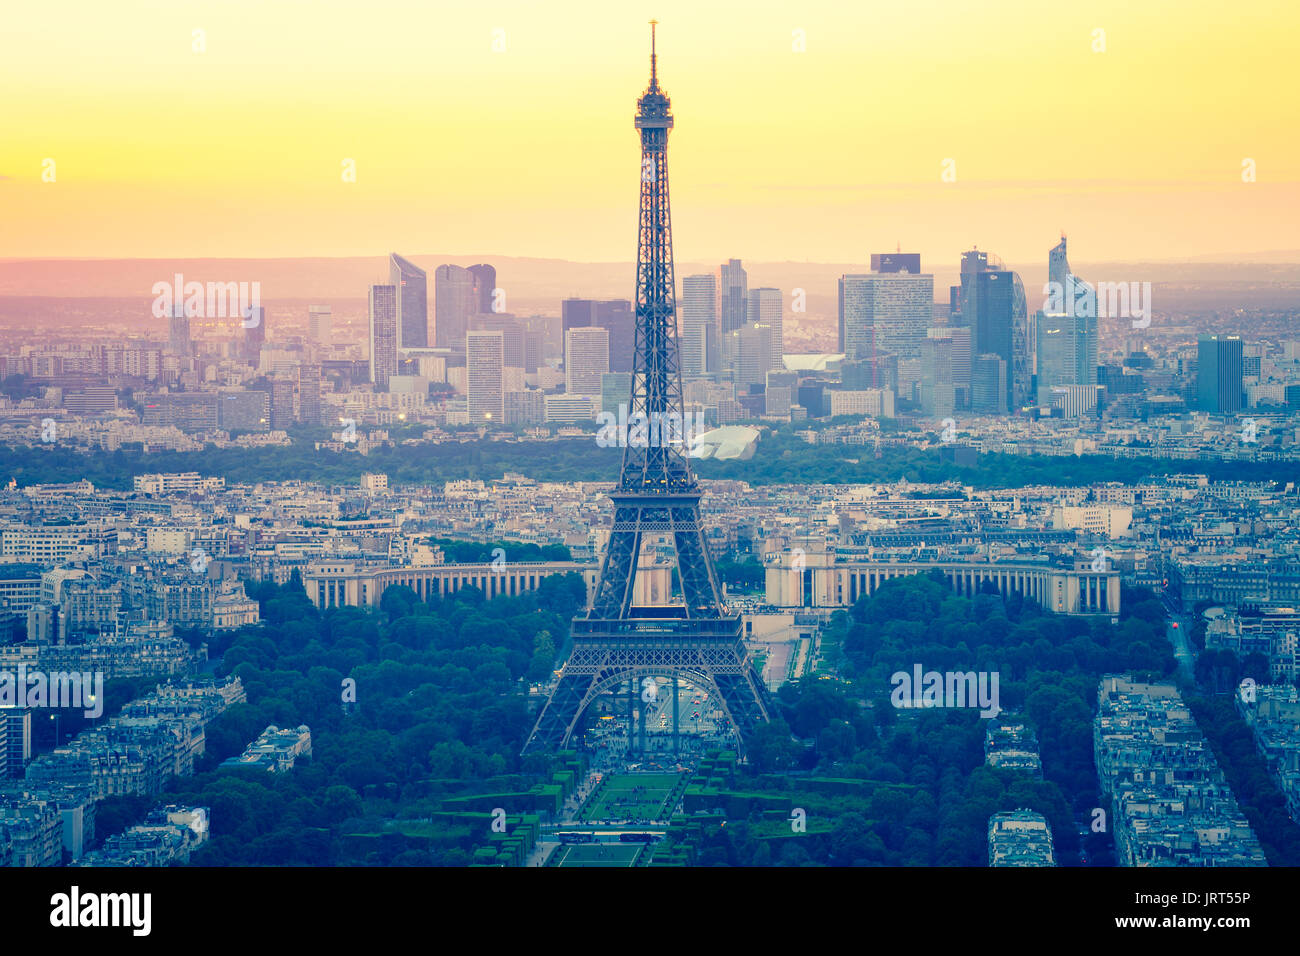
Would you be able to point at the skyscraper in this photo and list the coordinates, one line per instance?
(938, 396)
(178, 330)
(1067, 352)
(896, 262)
(319, 325)
(254, 323)
(699, 326)
(988, 385)
(527, 407)
(733, 287)
(383, 335)
(455, 300)
(586, 359)
(993, 305)
(484, 374)
(1219, 374)
(763, 307)
(512, 331)
(885, 311)
(1058, 265)
(412, 284)
(309, 394)
(281, 403)
(485, 285)
(18, 724)
(752, 354)
(961, 364)
(615, 391)
(1066, 330)
(615, 316)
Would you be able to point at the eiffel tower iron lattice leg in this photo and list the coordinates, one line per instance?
(709, 655)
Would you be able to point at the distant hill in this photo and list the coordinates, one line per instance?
(538, 285)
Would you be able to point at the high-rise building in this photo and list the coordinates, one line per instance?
(1058, 264)
(763, 307)
(777, 400)
(1073, 401)
(485, 376)
(959, 335)
(938, 396)
(988, 385)
(586, 359)
(319, 325)
(993, 305)
(18, 723)
(534, 350)
(1067, 352)
(779, 393)
(896, 262)
(699, 326)
(309, 394)
(243, 409)
(1253, 359)
(383, 335)
(577, 314)
(1219, 374)
(455, 300)
(525, 407)
(254, 323)
(567, 409)
(972, 263)
(751, 349)
(512, 331)
(885, 311)
(733, 289)
(485, 287)
(615, 390)
(178, 330)
(811, 394)
(615, 316)
(412, 285)
(282, 414)
(876, 402)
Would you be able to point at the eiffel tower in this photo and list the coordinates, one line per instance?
(617, 643)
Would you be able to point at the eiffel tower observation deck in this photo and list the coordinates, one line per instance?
(617, 644)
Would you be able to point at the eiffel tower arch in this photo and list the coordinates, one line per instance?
(657, 497)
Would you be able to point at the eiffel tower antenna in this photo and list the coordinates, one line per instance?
(619, 645)
(654, 72)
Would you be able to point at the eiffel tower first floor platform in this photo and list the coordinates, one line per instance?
(707, 653)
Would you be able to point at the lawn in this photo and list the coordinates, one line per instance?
(597, 854)
(631, 796)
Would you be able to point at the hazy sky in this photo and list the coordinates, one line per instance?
(827, 154)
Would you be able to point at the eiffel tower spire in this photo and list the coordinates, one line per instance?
(656, 496)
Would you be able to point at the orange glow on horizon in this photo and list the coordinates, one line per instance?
(520, 142)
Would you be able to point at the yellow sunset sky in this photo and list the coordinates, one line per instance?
(828, 154)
